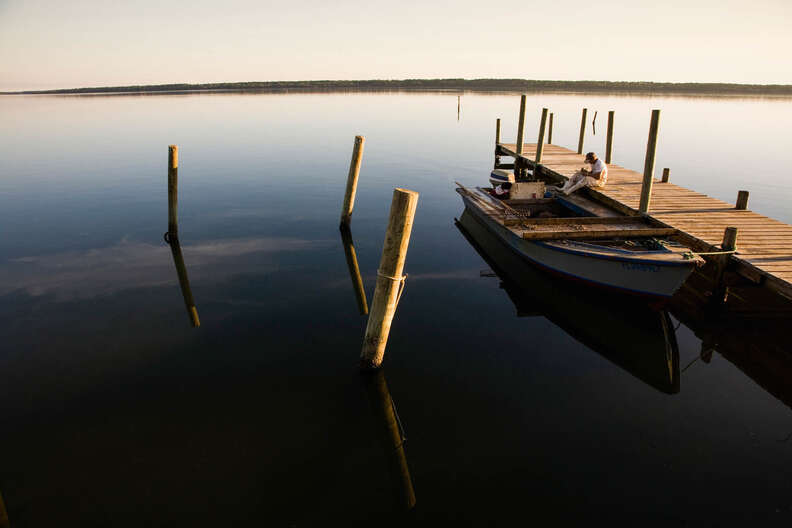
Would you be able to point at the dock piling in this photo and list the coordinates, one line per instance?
(582, 131)
(649, 162)
(550, 130)
(540, 141)
(390, 281)
(742, 200)
(520, 126)
(721, 291)
(497, 131)
(666, 174)
(609, 138)
(352, 180)
(173, 190)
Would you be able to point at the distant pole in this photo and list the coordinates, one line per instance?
(649, 162)
(352, 181)
(609, 139)
(520, 126)
(497, 131)
(354, 270)
(390, 280)
(666, 174)
(173, 191)
(582, 131)
(540, 141)
(459, 106)
(742, 200)
(550, 130)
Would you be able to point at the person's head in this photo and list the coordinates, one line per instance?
(591, 157)
(506, 186)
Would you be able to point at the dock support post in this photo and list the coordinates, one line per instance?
(721, 292)
(609, 139)
(352, 180)
(649, 162)
(582, 131)
(390, 281)
(742, 200)
(173, 191)
(666, 174)
(540, 141)
(550, 131)
(497, 131)
(518, 148)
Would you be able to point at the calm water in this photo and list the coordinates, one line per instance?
(115, 412)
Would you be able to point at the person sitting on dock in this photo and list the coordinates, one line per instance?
(502, 191)
(596, 177)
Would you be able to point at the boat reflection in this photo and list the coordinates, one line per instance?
(391, 436)
(184, 281)
(354, 269)
(631, 334)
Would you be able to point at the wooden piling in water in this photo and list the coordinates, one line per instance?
(666, 174)
(520, 126)
(173, 190)
(742, 200)
(354, 270)
(721, 291)
(391, 437)
(649, 162)
(582, 131)
(390, 281)
(550, 131)
(497, 131)
(352, 180)
(609, 138)
(540, 141)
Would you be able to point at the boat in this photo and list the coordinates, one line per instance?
(630, 333)
(583, 241)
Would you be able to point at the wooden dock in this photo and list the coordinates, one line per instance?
(764, 245)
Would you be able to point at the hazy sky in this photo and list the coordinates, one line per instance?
(54, 44)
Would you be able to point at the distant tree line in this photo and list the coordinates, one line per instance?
(480, 85)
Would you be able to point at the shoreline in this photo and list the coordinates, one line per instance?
(499, 86)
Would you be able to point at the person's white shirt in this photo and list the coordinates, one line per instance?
(599, 166)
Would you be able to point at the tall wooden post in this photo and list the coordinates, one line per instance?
(497, 131)
(520, 127)
(742, 200)
(721, 291)
(666, 174)
(609, 139)
(173, 191)
(550, 131)
(391, 437)
(582, 131)
(540, 141)
(352, 180)
(390, 281)
(649, 162)
(354, 270)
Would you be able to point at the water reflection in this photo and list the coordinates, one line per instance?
(632, 335)
(354, 269)
(391, 436)
(184, 281)
(4, 522)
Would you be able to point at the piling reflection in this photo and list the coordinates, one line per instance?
(632, 335)
(391, 436)
(354, 269)
(184, 281)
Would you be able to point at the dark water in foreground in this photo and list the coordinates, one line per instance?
(115, 412)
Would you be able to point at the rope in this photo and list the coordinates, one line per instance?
(402, 280)
(402, 435)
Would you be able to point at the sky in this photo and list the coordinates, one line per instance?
(80, 43)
